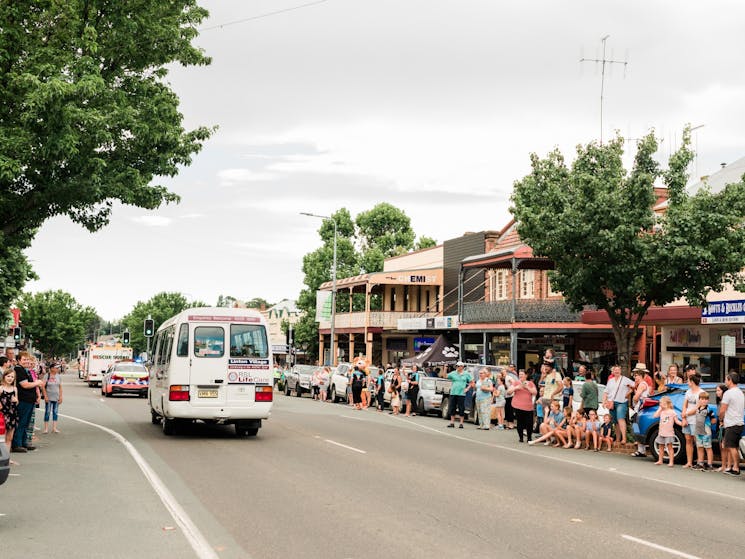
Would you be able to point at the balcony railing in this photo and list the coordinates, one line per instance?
(378, 319)
(543, 310)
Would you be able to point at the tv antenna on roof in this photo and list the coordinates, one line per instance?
(603, 62)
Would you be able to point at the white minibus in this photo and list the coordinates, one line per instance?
(214, 365)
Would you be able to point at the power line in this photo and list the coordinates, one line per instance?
(261, 16)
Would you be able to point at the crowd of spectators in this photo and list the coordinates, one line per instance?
(25, 384)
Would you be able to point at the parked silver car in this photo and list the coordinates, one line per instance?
(428, 400)
(298, 379)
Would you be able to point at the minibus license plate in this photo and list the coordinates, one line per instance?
(206, 393)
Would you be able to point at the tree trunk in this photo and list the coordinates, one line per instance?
(625, 337)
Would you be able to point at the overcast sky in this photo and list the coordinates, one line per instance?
(431, 105)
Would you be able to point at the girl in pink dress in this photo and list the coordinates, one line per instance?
(666, 435)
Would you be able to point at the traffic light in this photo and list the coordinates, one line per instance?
(17, 334)
(149, 327)
(125, 338)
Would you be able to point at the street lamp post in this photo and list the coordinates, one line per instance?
(333, 287)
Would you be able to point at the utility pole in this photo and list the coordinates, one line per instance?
(603, 62)
(289, 347)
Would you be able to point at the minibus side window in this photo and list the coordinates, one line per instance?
(209, 341)
(157, 349)
(248, 340)
(183, 341)
(168, 343)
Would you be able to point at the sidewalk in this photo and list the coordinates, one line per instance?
(81, 495)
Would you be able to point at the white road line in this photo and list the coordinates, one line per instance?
(345, 446)
(192, 534)
(634, 475)
(353, 417)
(659, 547)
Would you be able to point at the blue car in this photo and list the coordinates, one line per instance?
(646, 426)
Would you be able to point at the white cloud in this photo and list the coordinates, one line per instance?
(152, 220)
(233, 177)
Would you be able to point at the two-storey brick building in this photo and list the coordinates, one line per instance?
(518, 314)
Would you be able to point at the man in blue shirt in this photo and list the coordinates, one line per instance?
(461, 381)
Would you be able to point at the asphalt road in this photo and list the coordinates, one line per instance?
(324, 480)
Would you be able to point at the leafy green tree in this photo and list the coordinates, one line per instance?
(594, 220)
(384, 231)
(226, 301)
(372, 259)
(55, 321)
(160, 307)
(87, 116)
(257, 303)
(425, 242)
(317, 267)
(305, 336)
(15, 271)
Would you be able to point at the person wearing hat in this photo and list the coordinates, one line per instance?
(642, 390)
(647, 378)
(461, 381)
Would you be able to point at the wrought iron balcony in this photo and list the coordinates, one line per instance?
(526, 310)
(385, 319)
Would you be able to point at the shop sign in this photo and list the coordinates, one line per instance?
(433, 323)
(729, 346)
(685, 337)
(420, 344)
(723, 312)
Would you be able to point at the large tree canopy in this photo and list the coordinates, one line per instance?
(86, 117)
(595, 221)
(55, 321)
(386, 229)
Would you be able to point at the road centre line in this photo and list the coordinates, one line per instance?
(571, 462)
(345, 446)
(192, 534)
(353, 417)
(659, 547)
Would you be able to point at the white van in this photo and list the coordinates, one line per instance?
(214, 365)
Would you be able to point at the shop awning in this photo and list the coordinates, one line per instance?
(655, 315)
(441, 352)
(521, 253)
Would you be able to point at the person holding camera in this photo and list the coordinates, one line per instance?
(523, 392)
